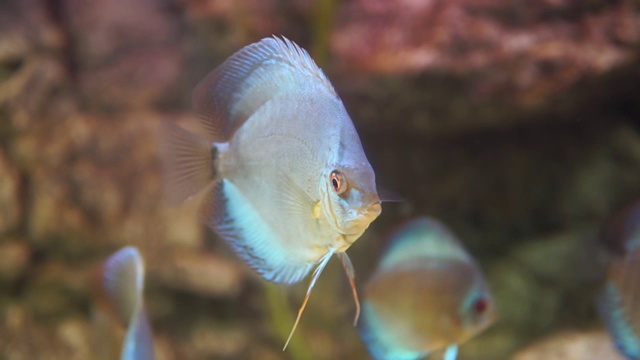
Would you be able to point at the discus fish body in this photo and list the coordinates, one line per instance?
(123, 283)
(290, 183)
(427, 294)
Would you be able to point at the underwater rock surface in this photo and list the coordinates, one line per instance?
(521, 51)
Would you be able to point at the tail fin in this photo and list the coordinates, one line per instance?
(187, 162)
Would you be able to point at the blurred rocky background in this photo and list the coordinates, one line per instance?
(515, 122)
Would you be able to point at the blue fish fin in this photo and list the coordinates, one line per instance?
(187, 162)
(123, 281)
(123, 285)
(232, 92)
(351, 276)
(316, 274)
(451, 352)
(235, 219)
(379, 340)
(621, 332)
(138, 342)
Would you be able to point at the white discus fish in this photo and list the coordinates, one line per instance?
(289, 182)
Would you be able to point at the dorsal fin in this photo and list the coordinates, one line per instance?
(123, 285)
(123, 282)
(423, 237)
(232, 92)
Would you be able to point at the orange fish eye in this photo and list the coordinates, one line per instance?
(338, 182)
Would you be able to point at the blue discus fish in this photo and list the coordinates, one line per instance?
(288, 182)
(123, 285)
(619, 303)
(427, 294)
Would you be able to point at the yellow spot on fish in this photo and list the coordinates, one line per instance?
(317, 210)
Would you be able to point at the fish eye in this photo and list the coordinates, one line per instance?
(338, 182)
(480, 306)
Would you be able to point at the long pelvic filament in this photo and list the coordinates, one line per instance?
(351, 275)
(316, 273)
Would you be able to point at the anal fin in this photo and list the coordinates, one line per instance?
(235, 219)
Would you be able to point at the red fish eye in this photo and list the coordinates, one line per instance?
(480, 306)
(338, 182)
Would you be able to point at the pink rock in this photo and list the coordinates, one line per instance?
(528, 51)
(128, 53)
(142, 77)
(249, 19)
(105, 29)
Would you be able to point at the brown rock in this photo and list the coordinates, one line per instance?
(14, 259)
(199, 272)
(73, 337)
(31, 67)
(208, 340)
(43, 342)
(58, 290)
(249, 19)
(103, 29)
(99, 179)
(10, 204)
(136, 79)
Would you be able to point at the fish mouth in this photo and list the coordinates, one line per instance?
(373, 210)
(370, 212)
(366, 215)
